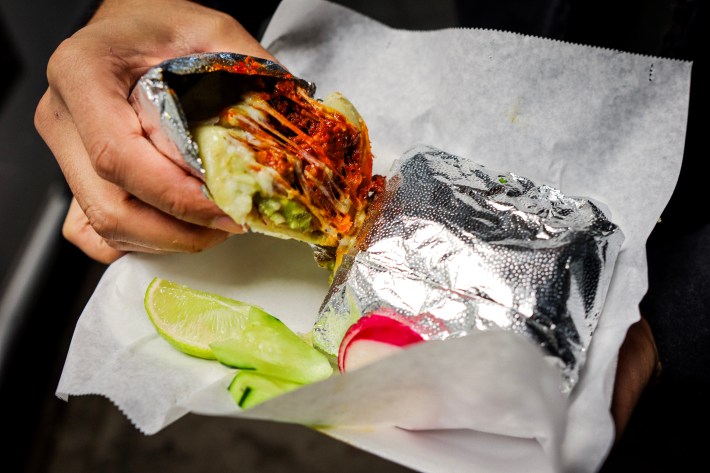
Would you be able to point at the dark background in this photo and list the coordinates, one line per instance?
(45, 282)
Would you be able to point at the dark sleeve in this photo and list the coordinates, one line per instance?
(677, 304)
(660, 436)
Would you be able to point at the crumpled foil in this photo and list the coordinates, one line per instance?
(193, 88)
(455, 247)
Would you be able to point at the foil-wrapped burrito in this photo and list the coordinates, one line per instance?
(454, 247)
(274, 158)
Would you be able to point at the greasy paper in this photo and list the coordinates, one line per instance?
(588, 121)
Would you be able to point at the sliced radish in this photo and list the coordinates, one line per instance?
(372, 338)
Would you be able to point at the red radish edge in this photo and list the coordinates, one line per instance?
(378, 328)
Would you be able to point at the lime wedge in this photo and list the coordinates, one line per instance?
(191, 320)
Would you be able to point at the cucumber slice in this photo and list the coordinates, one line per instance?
(249, 388)
(272, 349)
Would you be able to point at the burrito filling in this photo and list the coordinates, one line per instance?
(287, 165)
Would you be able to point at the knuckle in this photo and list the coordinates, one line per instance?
(70, 231)
(104, 223)
(104, 157)
(223, 23)
(42, 114)
(62, 59)
(176, 204)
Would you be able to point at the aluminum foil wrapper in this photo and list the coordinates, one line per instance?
(455, 247)
(195, 88)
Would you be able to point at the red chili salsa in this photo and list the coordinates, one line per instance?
(314, 148)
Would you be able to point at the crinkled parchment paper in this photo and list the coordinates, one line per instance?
(592, 122)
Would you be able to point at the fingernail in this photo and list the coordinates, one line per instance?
(227, 224)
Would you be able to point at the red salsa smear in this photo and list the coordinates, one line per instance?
(312, 147)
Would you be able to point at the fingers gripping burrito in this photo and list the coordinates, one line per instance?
(273, 158)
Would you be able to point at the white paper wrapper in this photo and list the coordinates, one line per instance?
(587, 121)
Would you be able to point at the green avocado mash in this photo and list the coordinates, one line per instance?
(285, 212)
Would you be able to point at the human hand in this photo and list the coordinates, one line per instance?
(638, 364)
(127, 195)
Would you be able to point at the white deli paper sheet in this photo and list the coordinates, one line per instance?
(593, 122)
